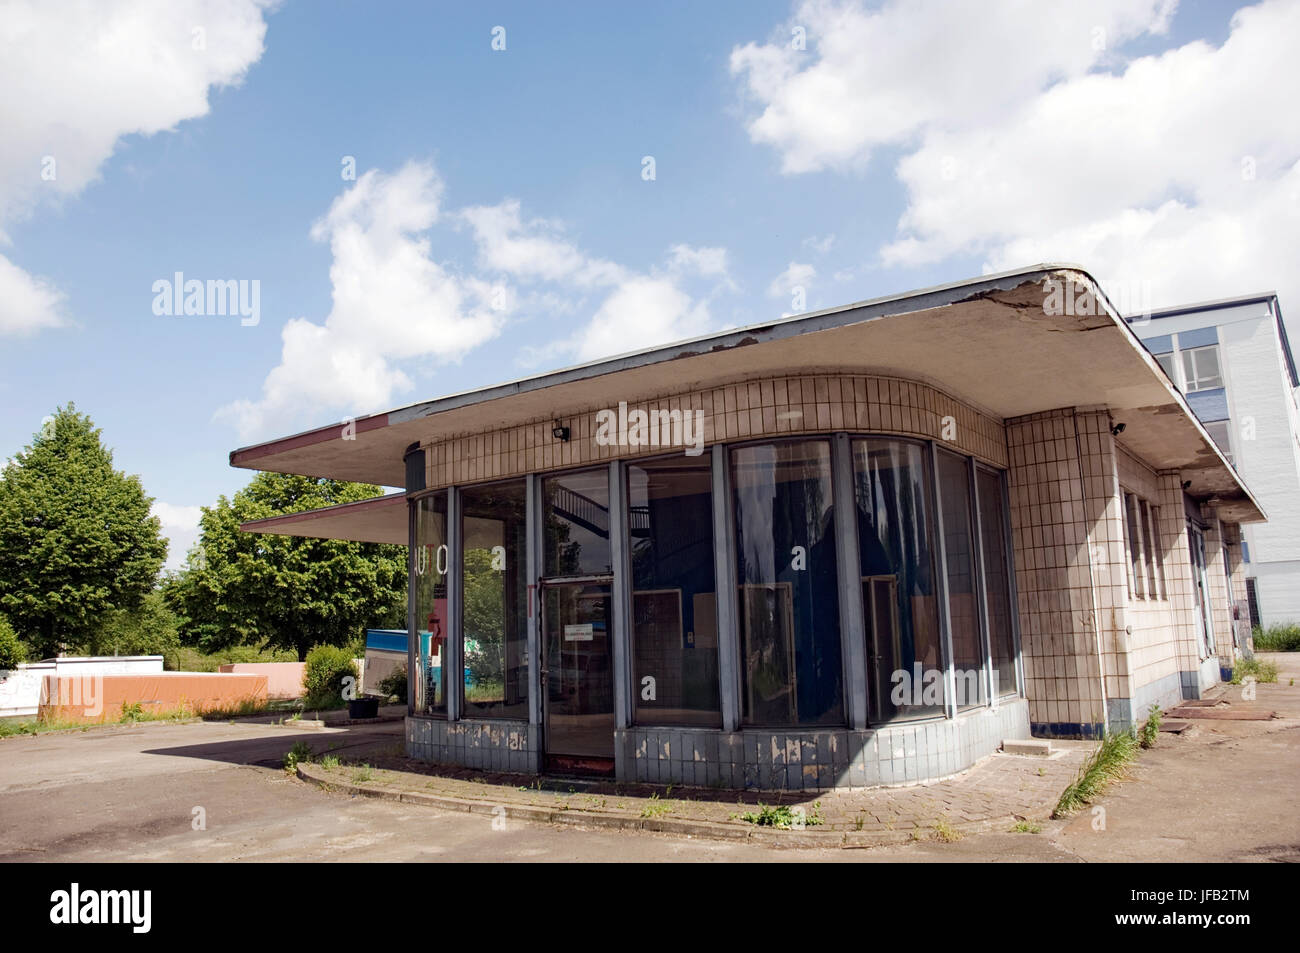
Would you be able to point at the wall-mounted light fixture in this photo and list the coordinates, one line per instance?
(1116, 430)
(1186, 484)
(560, 432)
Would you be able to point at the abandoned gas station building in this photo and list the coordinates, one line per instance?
(861, 546)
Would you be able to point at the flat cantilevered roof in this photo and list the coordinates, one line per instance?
(988, 341)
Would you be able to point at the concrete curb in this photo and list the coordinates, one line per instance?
(609, 820)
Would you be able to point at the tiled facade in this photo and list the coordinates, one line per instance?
(1094, 655)
(744, 410)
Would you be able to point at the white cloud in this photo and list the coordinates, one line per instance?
(27, 303)
(796, 275)
(77, 77)
(820, 245)
(533, 249)
(392, 301)
(708, 262)
(180, 524)
(637, 309)
(873, 77)
(1175, 171)
(642, 312)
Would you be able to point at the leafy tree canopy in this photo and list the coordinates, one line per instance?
(283, 591)
(77, 542)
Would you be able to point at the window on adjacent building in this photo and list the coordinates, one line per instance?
(1201, 368)
(1167, 362)
(1220, 431)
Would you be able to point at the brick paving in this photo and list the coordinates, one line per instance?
(996, 791)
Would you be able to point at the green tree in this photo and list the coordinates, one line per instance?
(76, 539)
(285, 592)
(149, 629)
(12, 651)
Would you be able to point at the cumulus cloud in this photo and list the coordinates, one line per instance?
(392, 301)
(27, 303)
(395, 301)
(796, 275)
(1173, 172)
(79, 76)
(180, 524)
(632, 309)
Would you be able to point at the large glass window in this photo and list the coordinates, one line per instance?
(788, 601)
(899, 599)
(997, 582)
(429, 695)
(494, 601)
(1201, 368)
(963, 597)
(674, 597)
(577, 524)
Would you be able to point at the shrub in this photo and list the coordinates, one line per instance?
(323, 678)
(1278, 638)
(1261, 670)
(395, 684)
(12, 652)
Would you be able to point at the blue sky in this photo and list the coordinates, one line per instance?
(500, 222)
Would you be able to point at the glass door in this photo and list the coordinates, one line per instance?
(578, 673)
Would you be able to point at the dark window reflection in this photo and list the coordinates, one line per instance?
(988, 489)
(577, 524)
(892, 490)
(786, 566)
(674, 599)
(963, 600)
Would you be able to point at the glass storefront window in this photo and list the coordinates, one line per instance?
(431, 559)
(786, 567)
(963, 597)
(494, 600)
(577, 524)
(674, 596)
(997, 582)
(899, 597)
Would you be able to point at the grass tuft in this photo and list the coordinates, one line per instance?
(1150, 729)
(1106, 765)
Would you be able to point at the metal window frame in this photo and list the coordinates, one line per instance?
(704, 464)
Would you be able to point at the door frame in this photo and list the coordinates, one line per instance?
(544, 655)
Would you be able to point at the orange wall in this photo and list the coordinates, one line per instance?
(96, 698)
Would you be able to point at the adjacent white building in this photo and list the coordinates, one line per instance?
(1232, 361)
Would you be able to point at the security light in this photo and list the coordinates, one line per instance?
(560, 432)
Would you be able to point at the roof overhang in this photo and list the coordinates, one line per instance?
(988, 341)
(381, 519)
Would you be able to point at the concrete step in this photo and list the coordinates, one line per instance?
(1032, 747)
